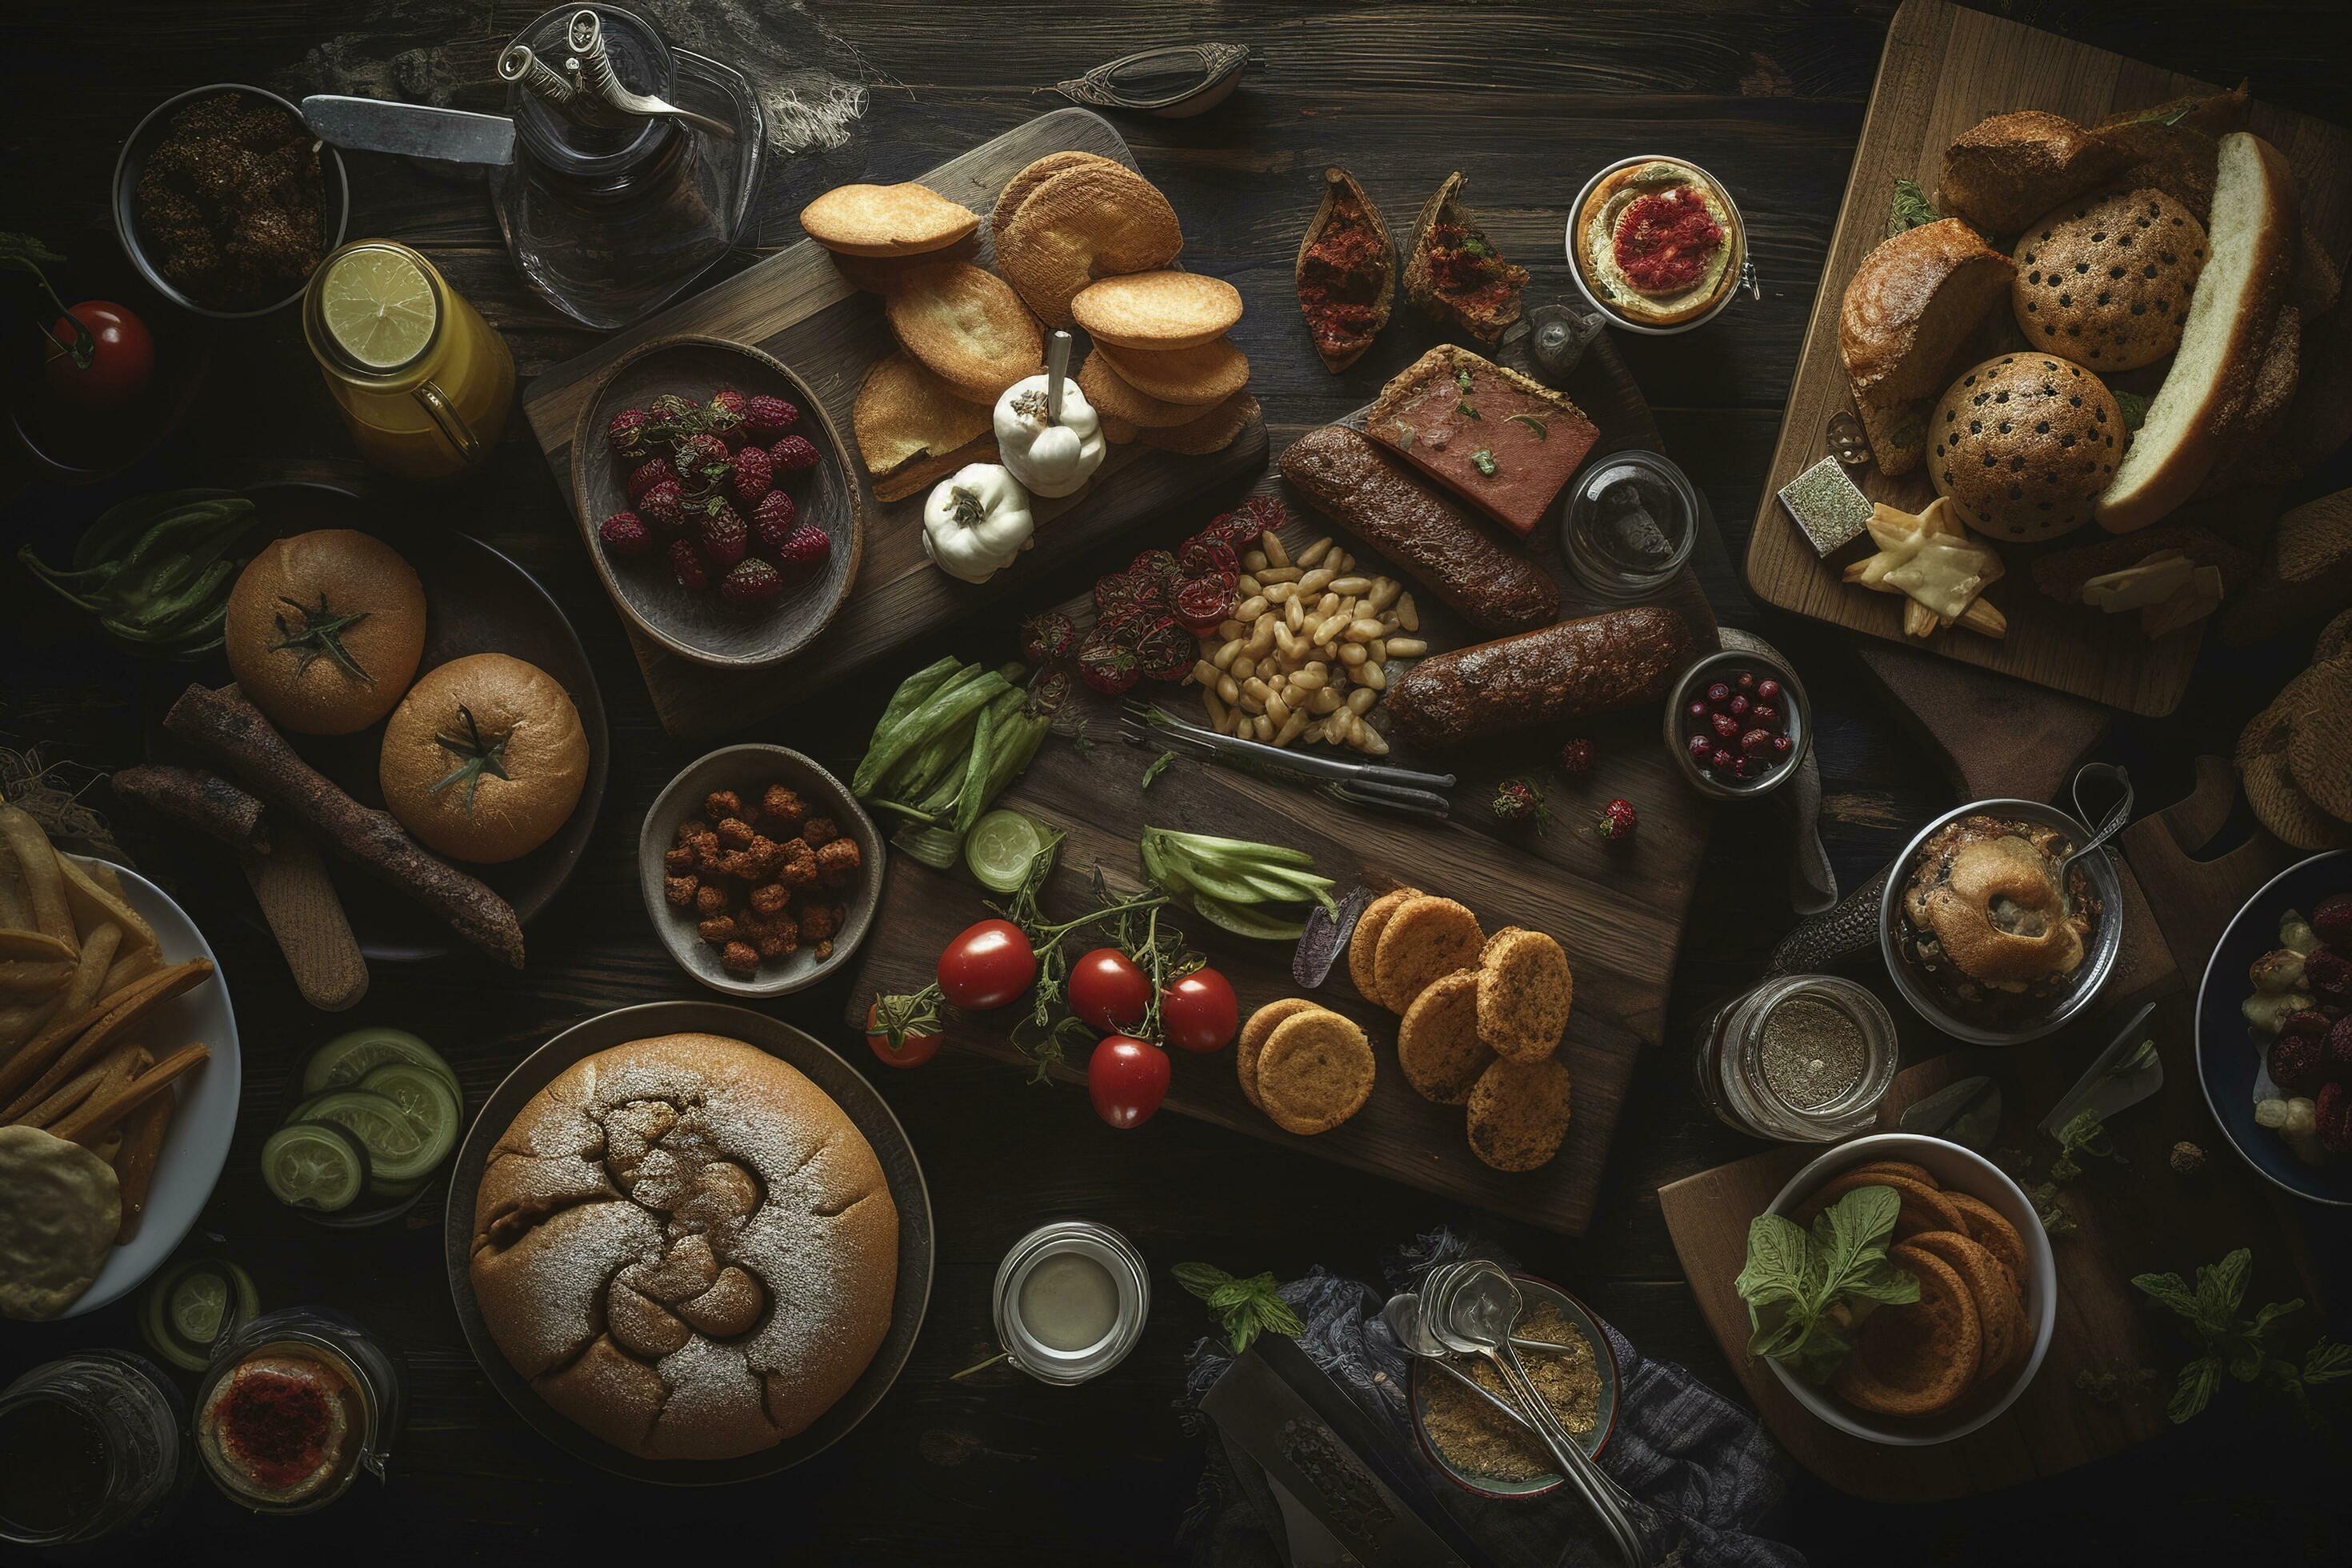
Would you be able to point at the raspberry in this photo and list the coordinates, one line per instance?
(2330, 975)
(772, 523)
(664, 506)
(1518, 802)
(792, 455)
(766, 417)
(2332, 919)
(624, 533)
(807, 547)
(723, 538)
(752, 581)
(1576, 758)
(752, 475)
(686, 565)
(630, 433)
(648, 474)
(1616, 820)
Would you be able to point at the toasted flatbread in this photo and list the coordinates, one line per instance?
(967, 327)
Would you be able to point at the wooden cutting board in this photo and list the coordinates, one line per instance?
(1944, 69)
(797, 306)
(2134, 1219)
(1618, 910)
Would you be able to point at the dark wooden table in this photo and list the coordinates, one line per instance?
(1767, 93)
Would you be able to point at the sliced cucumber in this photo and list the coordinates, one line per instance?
(393, 1192)
(398, 1149)
(423, 1095)
(186, 1308)
(315, 1165)
(343, 1061)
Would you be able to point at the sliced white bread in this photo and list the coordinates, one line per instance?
(2222, 344)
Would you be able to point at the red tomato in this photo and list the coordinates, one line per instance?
(1199, 1012)
(913, 1049)
(121, 361)
(987, 965)
(1109, 990)
(1126, 1078)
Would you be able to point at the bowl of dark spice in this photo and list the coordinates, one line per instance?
(226, 202)
(1569, 1358)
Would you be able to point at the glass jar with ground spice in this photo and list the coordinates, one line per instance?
(1804, 1059)
(295, 1404)
(1490, 1451)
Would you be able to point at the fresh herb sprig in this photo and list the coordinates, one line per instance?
(1910, 207)
(2084, 1136)
(1806, 1293)
(2236, 1345)
(1242, 1307)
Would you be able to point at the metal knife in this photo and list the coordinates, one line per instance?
(2103, 1092)
(410, 130)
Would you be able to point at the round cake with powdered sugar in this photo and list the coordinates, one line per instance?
(686, 1247)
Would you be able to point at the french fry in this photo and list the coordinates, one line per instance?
(64, 1049)
(98, 1117)
(89, 983)
(33, 947)
(93, 906)
(134, 1164)
(71, 1093)
(34, 976)
(128, 967)
(44, 884)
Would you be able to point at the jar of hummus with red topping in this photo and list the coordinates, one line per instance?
(1658, 246)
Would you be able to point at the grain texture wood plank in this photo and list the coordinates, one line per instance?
(1944, 69)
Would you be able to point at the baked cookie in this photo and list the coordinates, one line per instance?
(888, 274)
(1196, 377)
(1518, 1113)
(1315, 1071)
(1253, 1038)
(1019, 188)
(1084, 223)
(1914, 1358)
(2000, 1314)
(1114, 396)
(1990, 1229)
(1423, 939)
(1160, 309)
(1524, 991)
(1366, 939)
(2106, 280)
(1437, 1044)
(1212, 432)
(968, 328)
(886, 220)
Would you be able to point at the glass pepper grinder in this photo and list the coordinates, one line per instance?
(634, 164)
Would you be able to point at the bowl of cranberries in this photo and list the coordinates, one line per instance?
(717, 501)
(1739, 724)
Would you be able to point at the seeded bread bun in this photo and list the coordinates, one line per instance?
(2022, 445)
(2108, 280)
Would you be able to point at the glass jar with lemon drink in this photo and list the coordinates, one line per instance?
(422, 381)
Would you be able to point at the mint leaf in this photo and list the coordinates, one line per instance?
(2328, 1361)
(1277, 1317)
(1776, 1262)
(1200, 1278)
(1910, 207)
(2220, 1287)
(2195, 1390)
(2169, 1288)
(2134, 408)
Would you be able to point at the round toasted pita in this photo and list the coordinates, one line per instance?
(886, 220)
(1364, 942)
(1437, 1041)
(1213, 432)
(1204, 373)
(1080, 225)
(1914, 1358)
(968, 328)
(1160, 309)
(1020, 186)
(1315, 1071)
(57, 1223)
(904, 413)
(1991, 1229)
(1253, 1040)
(1115, 396)
(1990, 1287)
(1423, 939)
(1117, 431)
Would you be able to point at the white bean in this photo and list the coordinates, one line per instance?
(1229, 688)
(1373, 676)
(1246, 585)
(1351, 584)
(1254, 561)
(1407, 616)
(1407, 648)
(1315, 552)
(1313, 581)
(1251, 608)
(1280, 575)
(1361, 700)
(1292, 728)
(1275, 556)
(1352, 653)
(1220, 716)
(1382, 595)
(1206, 673)
(1244, 667)
(1224, 656)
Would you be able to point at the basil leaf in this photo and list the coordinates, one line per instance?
(2195, 1390)
(1822, 1353)
(1241, 1328)
(1279, 1317)
(1776, 1262)
(1910, 207)
(2170, 1289)
(1232, 1294)
(2272, 1312)
(2221, 1286)
(1891, 1285)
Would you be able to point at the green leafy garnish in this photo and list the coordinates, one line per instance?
(1463, 408)
(1244, 1308)
(2133, 407)
(1159, 765)
(1476, 244)
(1484, 461)
(2230, 1343)
(2055, 1220)
(2084, 1135)
(1543, 432)
(1805, 1294)
(1910, 208)
(320, 635)
(476, 756)
(1462, 379)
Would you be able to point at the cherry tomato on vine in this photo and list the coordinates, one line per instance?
(987, 965)
(1199, 1012)
(915, 1047)
(122, 356)
(1109, 990)
(1126, 1078)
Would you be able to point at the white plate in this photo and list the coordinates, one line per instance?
(195, 1145)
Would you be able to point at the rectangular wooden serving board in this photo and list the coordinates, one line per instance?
(797, 306)
(1944, 69)
(1619, 910)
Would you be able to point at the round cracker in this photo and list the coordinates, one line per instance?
(968, 328)
(1991, 1287)
(1524, 990)
(1159, 309)
(1437, 1043)
(886, 220)
(57, 1225)
(903, 411)
(1365, 940)
(1518, 1113)
(1315, 1071)
(1425, 938)
(2281, 806)
(1114, 396)
(2319, 744)
(1253, 1038)
(1920, 1174)
(1019, 188)
(1914, 1358)
(1205, 374)
(1080, 225)
(884, 274)
(1924, 1207)
(1991, 1229)
(1213, 432)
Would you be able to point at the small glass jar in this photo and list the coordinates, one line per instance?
(1631, 520)
(1804, 1059)
(298, 1348)
(90, 1446)
(1071, 1298)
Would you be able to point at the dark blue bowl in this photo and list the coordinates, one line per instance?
(2226, 1057)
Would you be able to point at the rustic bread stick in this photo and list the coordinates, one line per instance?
(134, 1164)
(89, 1032)
(89, 1125)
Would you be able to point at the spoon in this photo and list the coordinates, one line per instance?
(2106, 829)
(1403, 1315)
(1475, 1314)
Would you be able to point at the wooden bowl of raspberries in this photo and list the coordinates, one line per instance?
(759, 871)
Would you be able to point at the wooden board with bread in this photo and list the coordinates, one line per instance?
(2078, 338)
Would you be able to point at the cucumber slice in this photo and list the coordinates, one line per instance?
(1245, 920)
(343, 1061)
(398, 1149)
(393, 1192)
(421, 1094)
(314, 1165)
(185, 1307)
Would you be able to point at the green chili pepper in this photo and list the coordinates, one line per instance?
(156, 570)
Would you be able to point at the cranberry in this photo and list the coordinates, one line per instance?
(1697, 709)
(1765, 714)
(1756, 743)
(1722, 760)
(1746, 681)
(1782, 745)
(1702, 747)
(1724, 725)
(1718, 693)
(1747, 768)
(1768, 691)
(1737, 707)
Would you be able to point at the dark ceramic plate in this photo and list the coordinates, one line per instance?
(866, 1109)
(477, 601)
(2226, 1057)
(700, 626)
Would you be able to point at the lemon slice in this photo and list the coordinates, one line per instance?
(378, 306)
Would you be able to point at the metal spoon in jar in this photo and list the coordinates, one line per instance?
(2113, 824)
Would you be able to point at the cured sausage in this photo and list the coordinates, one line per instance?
(1432, 539)
(1591, 666)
